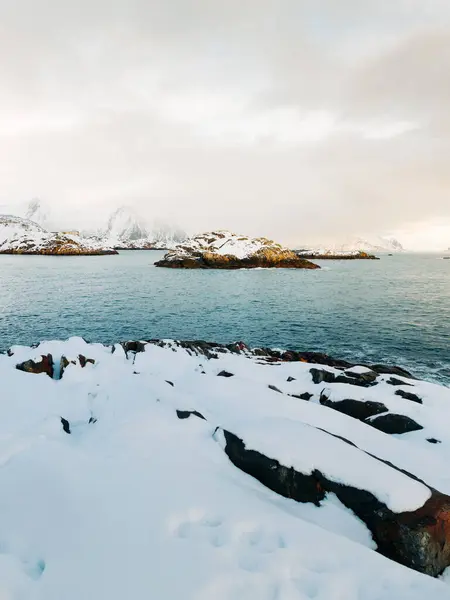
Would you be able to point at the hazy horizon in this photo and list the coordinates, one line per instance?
(307, 121)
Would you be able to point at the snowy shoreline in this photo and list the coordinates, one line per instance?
(239, 469)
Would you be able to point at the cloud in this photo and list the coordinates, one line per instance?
(302, 120)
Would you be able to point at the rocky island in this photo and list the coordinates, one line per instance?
(336, 255)
(226, 250)
(22, 236)
(259, 468)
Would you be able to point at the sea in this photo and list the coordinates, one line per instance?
(395, 310)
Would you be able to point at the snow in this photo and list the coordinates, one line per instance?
(142, 504)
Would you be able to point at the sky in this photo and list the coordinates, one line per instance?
(307, 121)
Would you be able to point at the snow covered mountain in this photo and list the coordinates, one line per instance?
(36, 212)
(194, 471)
(126, 225)
(378, 244)
(126, 229)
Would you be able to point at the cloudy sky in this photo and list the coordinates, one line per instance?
(303, 120)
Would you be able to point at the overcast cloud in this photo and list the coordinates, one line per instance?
(303, 120)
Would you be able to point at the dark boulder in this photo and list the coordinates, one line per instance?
(65, 425)
(418, 539)
(45, 365)
(289, 379)
(358, 409)
(84, 361)
(409, 396)
(393, 423)
(395, 381)
(389, 370)
(367, 379)
(304, 396)
(321, 376)
(185, 414)
(225, 374)
(434, 441)
(170, 383)
(133, 346)
(274, 389)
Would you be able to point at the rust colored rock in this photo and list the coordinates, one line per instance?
(45, 365)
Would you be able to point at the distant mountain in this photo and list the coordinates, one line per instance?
(36, 212)
(126, 225)
(371, 245)
(128, 230)
(378, 244)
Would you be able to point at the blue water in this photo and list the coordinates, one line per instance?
(396, 310)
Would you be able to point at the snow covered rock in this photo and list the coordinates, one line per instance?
(225, 250)
(154, 465)
(21, 236)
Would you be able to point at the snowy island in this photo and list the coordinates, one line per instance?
(241, 471)
(336, 255)
(226, 250)
(22, 236)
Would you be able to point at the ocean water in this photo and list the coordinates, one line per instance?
(395, 310)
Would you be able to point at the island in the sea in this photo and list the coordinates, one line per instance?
(336, 255)
(226, 250)
(22, 236)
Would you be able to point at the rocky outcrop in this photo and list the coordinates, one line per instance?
(45, 365)
(419, 539)
(225, 250)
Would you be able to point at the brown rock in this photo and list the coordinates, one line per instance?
(45, 365)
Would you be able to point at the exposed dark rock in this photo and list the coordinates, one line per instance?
(418, 539)
(92, 420)
(289, 379)
(409, 396)
(358, 409)
(274, 388)
(133, 346)
(320, 376)
(65, 425)
(225, 374)
(434, 441)
(170, 383)
(394, 381)
(84, 361)
(304, 396)
(389, 370)
(393, 423)
(185, 414)
(366, 379)
(45, 365)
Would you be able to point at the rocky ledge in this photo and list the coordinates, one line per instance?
(21, 236)
(334, 255)
(225, 250)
